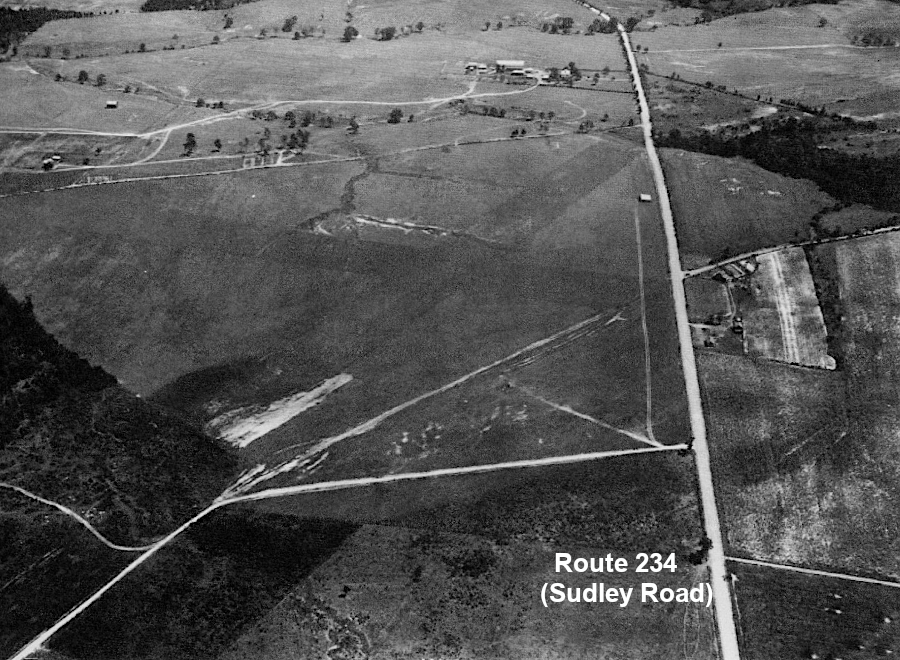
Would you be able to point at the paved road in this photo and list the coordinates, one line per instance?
(718, 572)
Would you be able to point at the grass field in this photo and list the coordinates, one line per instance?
(729, 206)
(243, 274)
(803, 472)
(783, 321)
(847, 80)
(41, 102)
(788, 615)
(457, 570)
(419, 570)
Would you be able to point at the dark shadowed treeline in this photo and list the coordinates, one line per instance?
(792, 148)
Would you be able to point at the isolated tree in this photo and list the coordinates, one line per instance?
(215, 39)
(142, 48)
(47, 51)
(127, 89)
(487, 26)
(550, 115)
(395, 116)
(217, 143)
(388, 33)
(83, 77)
(228, 22)
(289, 24)
(65, 53)
(263, 33)
(190, 143)
(200, 103)
(353, 129)
(101, 80)
(420, 26)
(631, 22)
(554, 74)
(499, 25)
(291, 118)
(296, 36)
(58, 77)
(350, 33)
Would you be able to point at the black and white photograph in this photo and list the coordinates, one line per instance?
(449, 329)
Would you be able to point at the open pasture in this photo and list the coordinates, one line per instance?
(783, 321)
(167, 279)
(453, 595)
(258, 70)
(801, 477)
(779, 53)
(40, 102)
(729, 206)
(447, 567)
(869, 271)
(784, 614)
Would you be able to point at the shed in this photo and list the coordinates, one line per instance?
(646, 197)
(112, 105)
(503, 65)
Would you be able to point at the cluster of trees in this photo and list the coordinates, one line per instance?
(559, 25)
(599, 26)
(306, 30)
(16, 24)
(585, 126)
(388, 33)
(718, 8)
(60, 417)
(289, 24)
(791, 147)
(196, 5)
(201, 103)
(879, 36)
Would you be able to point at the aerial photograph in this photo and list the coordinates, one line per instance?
(449, 330)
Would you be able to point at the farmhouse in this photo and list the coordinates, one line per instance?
(735, 270)
(509, 65)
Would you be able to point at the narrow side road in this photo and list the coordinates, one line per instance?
(812, 571)
(69, 512)
(728, 640)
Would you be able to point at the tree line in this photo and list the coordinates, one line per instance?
(790, 147)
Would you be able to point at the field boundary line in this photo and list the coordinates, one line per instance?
(72, 514)
(813, 571)
(860, 233)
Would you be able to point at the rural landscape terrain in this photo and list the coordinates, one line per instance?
(326, 327)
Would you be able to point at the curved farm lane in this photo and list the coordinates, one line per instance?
(69, 512)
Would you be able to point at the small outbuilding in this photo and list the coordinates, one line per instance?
(646, 197)
(504, 65)
(112, 105)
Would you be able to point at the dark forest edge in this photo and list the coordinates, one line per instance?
(791, 147)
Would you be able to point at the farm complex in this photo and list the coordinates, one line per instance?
(328, 328)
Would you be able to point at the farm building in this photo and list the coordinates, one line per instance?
(112, 105)
(646, 197)
(735, 270)
(476, 67)
(509, 65)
